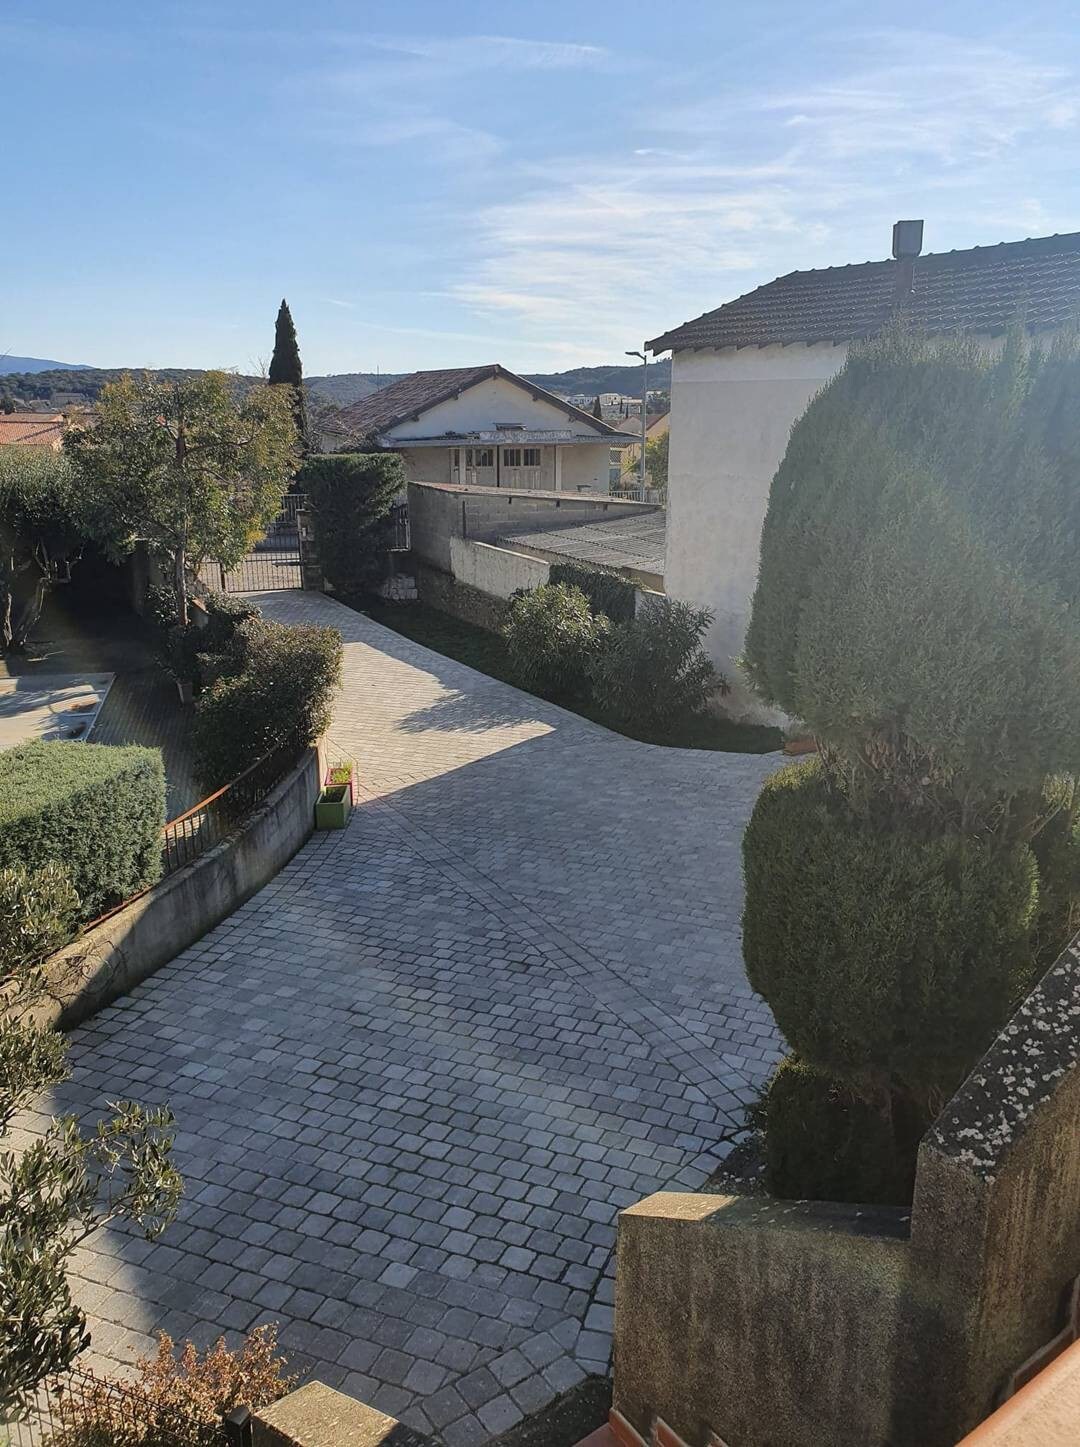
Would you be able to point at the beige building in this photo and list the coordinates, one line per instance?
(743, 374)
(483, 426)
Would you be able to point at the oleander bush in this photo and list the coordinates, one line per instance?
(350, 496)
(555, 640)
(277, 693)
(916, 605)
(653, 669)
(95, 810)
(608, 593)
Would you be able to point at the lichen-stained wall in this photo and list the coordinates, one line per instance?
(794, 1324)
(996, 1219)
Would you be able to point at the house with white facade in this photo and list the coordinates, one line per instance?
(484, 426)
(744, 373)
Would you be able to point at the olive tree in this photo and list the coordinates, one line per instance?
(67, 1183)
(46, 518)
(195, 468)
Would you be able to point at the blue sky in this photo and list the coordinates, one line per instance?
(542, 184)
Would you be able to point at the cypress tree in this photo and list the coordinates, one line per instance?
(285, 365)
(597, 410)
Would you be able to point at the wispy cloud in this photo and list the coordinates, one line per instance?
(462, 53)
(634, 244)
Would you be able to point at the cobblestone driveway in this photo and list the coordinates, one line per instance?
(418, 1074)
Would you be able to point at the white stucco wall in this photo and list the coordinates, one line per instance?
(426, 464)
(494, 570)
(482, 407)
(585, 465)
(731, 415)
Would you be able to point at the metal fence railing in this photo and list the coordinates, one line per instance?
(208, 822)
(399, 528)
(81, 1409)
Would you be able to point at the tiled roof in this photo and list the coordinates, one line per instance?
(421, 391)
(31, 429)
(982, 291)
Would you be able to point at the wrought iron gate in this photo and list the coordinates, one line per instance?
(274, 561)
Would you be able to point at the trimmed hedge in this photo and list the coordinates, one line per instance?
(608, 593)
(890, 959)
(93, 809)
(823, 1142)
(350, 496)
(917, 584)
(279, 696)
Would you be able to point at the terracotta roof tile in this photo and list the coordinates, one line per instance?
(29, 429)
(982, 290)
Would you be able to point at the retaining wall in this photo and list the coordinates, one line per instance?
(501, 572)
(130, 945)
(794, 1324)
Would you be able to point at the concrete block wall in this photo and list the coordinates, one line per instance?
(441, 511)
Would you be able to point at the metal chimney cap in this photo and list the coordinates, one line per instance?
(907, 240)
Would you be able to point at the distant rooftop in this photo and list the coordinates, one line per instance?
(417, 393)
(31, 429)
(982, 290)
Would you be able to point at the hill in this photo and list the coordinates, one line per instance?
(61, 385)
(9, 363)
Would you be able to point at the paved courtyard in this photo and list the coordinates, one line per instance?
(416, 1077)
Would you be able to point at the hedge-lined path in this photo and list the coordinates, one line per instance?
(419, 1073)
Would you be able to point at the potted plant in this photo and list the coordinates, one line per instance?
(342, 773)
(333, 806)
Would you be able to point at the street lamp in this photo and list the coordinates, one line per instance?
(644, 412)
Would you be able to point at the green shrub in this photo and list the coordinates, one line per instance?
(554, 640)
(607, 592)
(350, 496)
(915, 591)
(890, 958)
(653, 670)
(281, 697)
(916, 605)
(95, 810)
(823, 1142)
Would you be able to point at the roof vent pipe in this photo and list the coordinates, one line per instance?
(906, 246)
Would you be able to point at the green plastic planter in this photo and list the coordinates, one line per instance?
(332, 807)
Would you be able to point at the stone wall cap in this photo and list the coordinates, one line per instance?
(318, 1416)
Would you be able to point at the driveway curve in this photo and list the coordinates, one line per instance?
(419, 1073)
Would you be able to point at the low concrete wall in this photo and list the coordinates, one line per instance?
(495, 570)
(768, 1322)
(792, 1324)
(441, 511)
(138, 939)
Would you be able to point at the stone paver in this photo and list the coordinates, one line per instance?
(420, 1072)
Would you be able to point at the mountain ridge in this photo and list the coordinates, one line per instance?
(64, 384)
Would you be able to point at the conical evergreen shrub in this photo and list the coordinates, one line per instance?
(917, 605)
